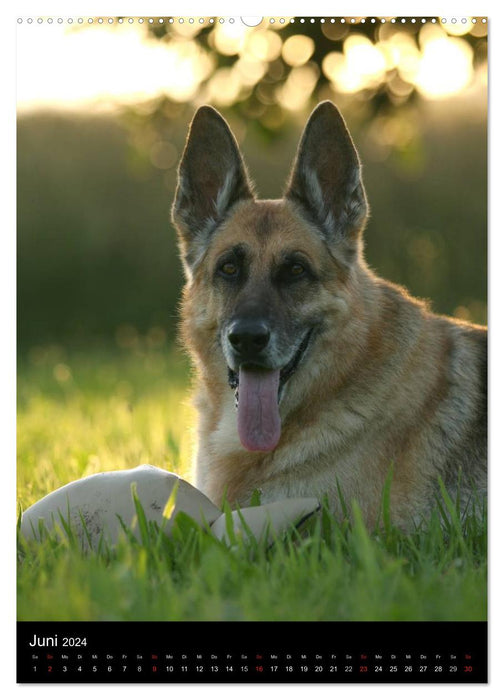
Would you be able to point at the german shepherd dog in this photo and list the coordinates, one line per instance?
(314, 376)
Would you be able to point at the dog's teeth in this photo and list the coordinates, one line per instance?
(232, 378)
(236, 398)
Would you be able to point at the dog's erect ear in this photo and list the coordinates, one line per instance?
(326, 178)
(211, 178)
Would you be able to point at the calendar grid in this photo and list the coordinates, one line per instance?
(252, 652)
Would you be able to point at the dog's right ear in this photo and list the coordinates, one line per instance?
(211, 179)
(326, 180)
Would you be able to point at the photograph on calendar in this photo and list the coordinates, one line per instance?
(252, 339)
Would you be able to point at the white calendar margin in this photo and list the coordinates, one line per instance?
(225, 8)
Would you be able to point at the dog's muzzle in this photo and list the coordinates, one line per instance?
(258, 386)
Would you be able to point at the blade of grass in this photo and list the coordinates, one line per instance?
(342, 501)
(229, 523)
(127, 531)
(387, 487)
(255, 499)
(251, 538)
(363, 545)
(140, 513)
(170, 503)
(455, 523)
(85, 530)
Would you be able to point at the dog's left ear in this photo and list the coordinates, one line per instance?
(211, 178)
(326, 178)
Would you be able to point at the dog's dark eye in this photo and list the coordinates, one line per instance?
(293, 271)
(228, 269)
(296, 270)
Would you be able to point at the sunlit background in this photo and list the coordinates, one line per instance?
(103, 107)
(102, 63)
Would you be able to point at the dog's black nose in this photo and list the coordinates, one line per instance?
(248, 337)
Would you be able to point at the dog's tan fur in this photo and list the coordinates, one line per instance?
(384, 382)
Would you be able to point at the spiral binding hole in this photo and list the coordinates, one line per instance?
(272, 20)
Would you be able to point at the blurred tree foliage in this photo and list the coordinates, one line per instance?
(282, 66)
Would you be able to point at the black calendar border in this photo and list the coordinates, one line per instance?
(354, 642)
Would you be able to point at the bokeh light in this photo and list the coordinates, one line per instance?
(445, 67)
(296, 90)
(229, 39)
(298, 49)
(361, 65)
(116, 64)
(264, 45)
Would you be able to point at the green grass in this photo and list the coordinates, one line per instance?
(82, 414)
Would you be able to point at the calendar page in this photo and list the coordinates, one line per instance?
(252, 360)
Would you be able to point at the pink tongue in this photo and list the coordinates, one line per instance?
(258, 417)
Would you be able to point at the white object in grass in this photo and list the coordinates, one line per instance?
(98, 506)
(264, 521)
